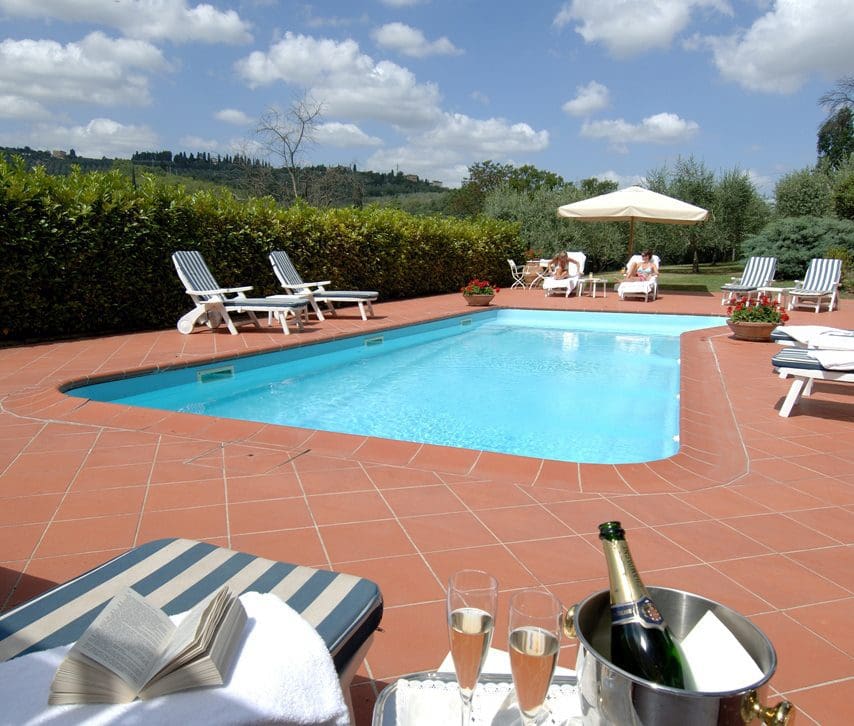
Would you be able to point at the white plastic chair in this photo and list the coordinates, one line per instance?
(517, 271)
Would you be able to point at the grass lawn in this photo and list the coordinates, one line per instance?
(681, 278)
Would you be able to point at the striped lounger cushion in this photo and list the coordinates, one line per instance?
(175, 574)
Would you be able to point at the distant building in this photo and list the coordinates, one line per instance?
(411, 177)
(435, 183)
(58, 154)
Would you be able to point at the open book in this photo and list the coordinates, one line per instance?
(133, 650)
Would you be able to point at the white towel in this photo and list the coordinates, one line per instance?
(283, 674)
(806, 333)
(833, 360)
(833, 340)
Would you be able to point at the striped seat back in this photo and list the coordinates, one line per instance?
(759, 271)
(284, 268)
(193, 271)
(822, 275)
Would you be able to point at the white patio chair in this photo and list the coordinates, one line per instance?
(213, 304)
(567, 284)
(291, 281)
(517, 271)
(640, 287)
(758, 272)
(821, 281)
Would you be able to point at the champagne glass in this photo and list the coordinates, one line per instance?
(472, 599)
(534, 646)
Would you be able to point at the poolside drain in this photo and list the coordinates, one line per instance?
(215, 374)
(378, 340)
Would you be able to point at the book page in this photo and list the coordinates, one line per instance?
(127, 637)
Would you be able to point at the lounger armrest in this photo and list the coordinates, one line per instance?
(322, 283)
(220, 290)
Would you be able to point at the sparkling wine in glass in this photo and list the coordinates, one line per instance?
(472, 600)
(534, 646)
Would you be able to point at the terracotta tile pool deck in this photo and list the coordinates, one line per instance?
(755, 511)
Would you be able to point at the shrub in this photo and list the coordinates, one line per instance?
(796, 240)
(91, 253)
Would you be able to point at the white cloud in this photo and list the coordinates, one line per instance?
(480, 97)
(343, 135)
(662, 128)
(588, 99)
(151, 19)
(12, 106)
(197, 143)
(401, 3)
(445, 151)
(348, 82)
(786, 45)
(96, 70)
(622, 180)
(410, 41)
(233, 116)
(630, 27)
(100, 137)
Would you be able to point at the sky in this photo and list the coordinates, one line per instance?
(585, 88)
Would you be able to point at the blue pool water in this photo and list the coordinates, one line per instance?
(586, 387)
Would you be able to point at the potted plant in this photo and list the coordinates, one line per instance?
(479, 292)
(755, 319)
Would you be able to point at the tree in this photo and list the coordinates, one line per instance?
(692, 182)
(286, 133)
(739, 210)
(836, 133)
(836, 138)
(803, 193)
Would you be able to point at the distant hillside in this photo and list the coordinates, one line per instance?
(321, 185)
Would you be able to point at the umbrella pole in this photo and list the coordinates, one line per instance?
(631, 236)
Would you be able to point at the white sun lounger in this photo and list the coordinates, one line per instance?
(804, 368)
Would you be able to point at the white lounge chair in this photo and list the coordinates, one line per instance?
(821, 281)
(292, 282)
(808, 365)
(518, 272)
(758, 272)
(213, 303)
(567, 284)
(640, 287)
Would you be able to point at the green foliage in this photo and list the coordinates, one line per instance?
(836, 138)
(91, 252)
(804, 193)
(843, 196)
(794, 241)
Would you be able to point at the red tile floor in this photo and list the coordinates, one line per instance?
(755, 511)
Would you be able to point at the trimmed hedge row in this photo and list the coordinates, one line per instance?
(90, 253)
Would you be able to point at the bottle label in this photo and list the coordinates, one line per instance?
(641, 611)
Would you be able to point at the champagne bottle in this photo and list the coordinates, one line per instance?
(640, 640)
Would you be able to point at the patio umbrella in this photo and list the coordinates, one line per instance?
(634, 203)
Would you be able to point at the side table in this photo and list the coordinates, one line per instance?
(593, 282)
(779, 291)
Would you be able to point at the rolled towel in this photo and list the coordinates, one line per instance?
(283, 674)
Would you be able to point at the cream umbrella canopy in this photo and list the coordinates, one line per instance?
(634, 203)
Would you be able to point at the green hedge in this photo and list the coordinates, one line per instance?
(90, 253)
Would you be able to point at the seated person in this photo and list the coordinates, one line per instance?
(643, 270)
(562, 266)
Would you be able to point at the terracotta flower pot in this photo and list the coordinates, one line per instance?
(751, 331)
(478, 300)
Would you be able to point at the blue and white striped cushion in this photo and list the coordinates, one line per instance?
(175, 574)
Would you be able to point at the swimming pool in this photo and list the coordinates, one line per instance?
(571, 386)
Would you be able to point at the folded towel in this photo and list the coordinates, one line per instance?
(834, 339)
(283, 674)
(833, 360)
(803, 333)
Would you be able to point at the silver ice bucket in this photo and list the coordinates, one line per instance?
(610, 695)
